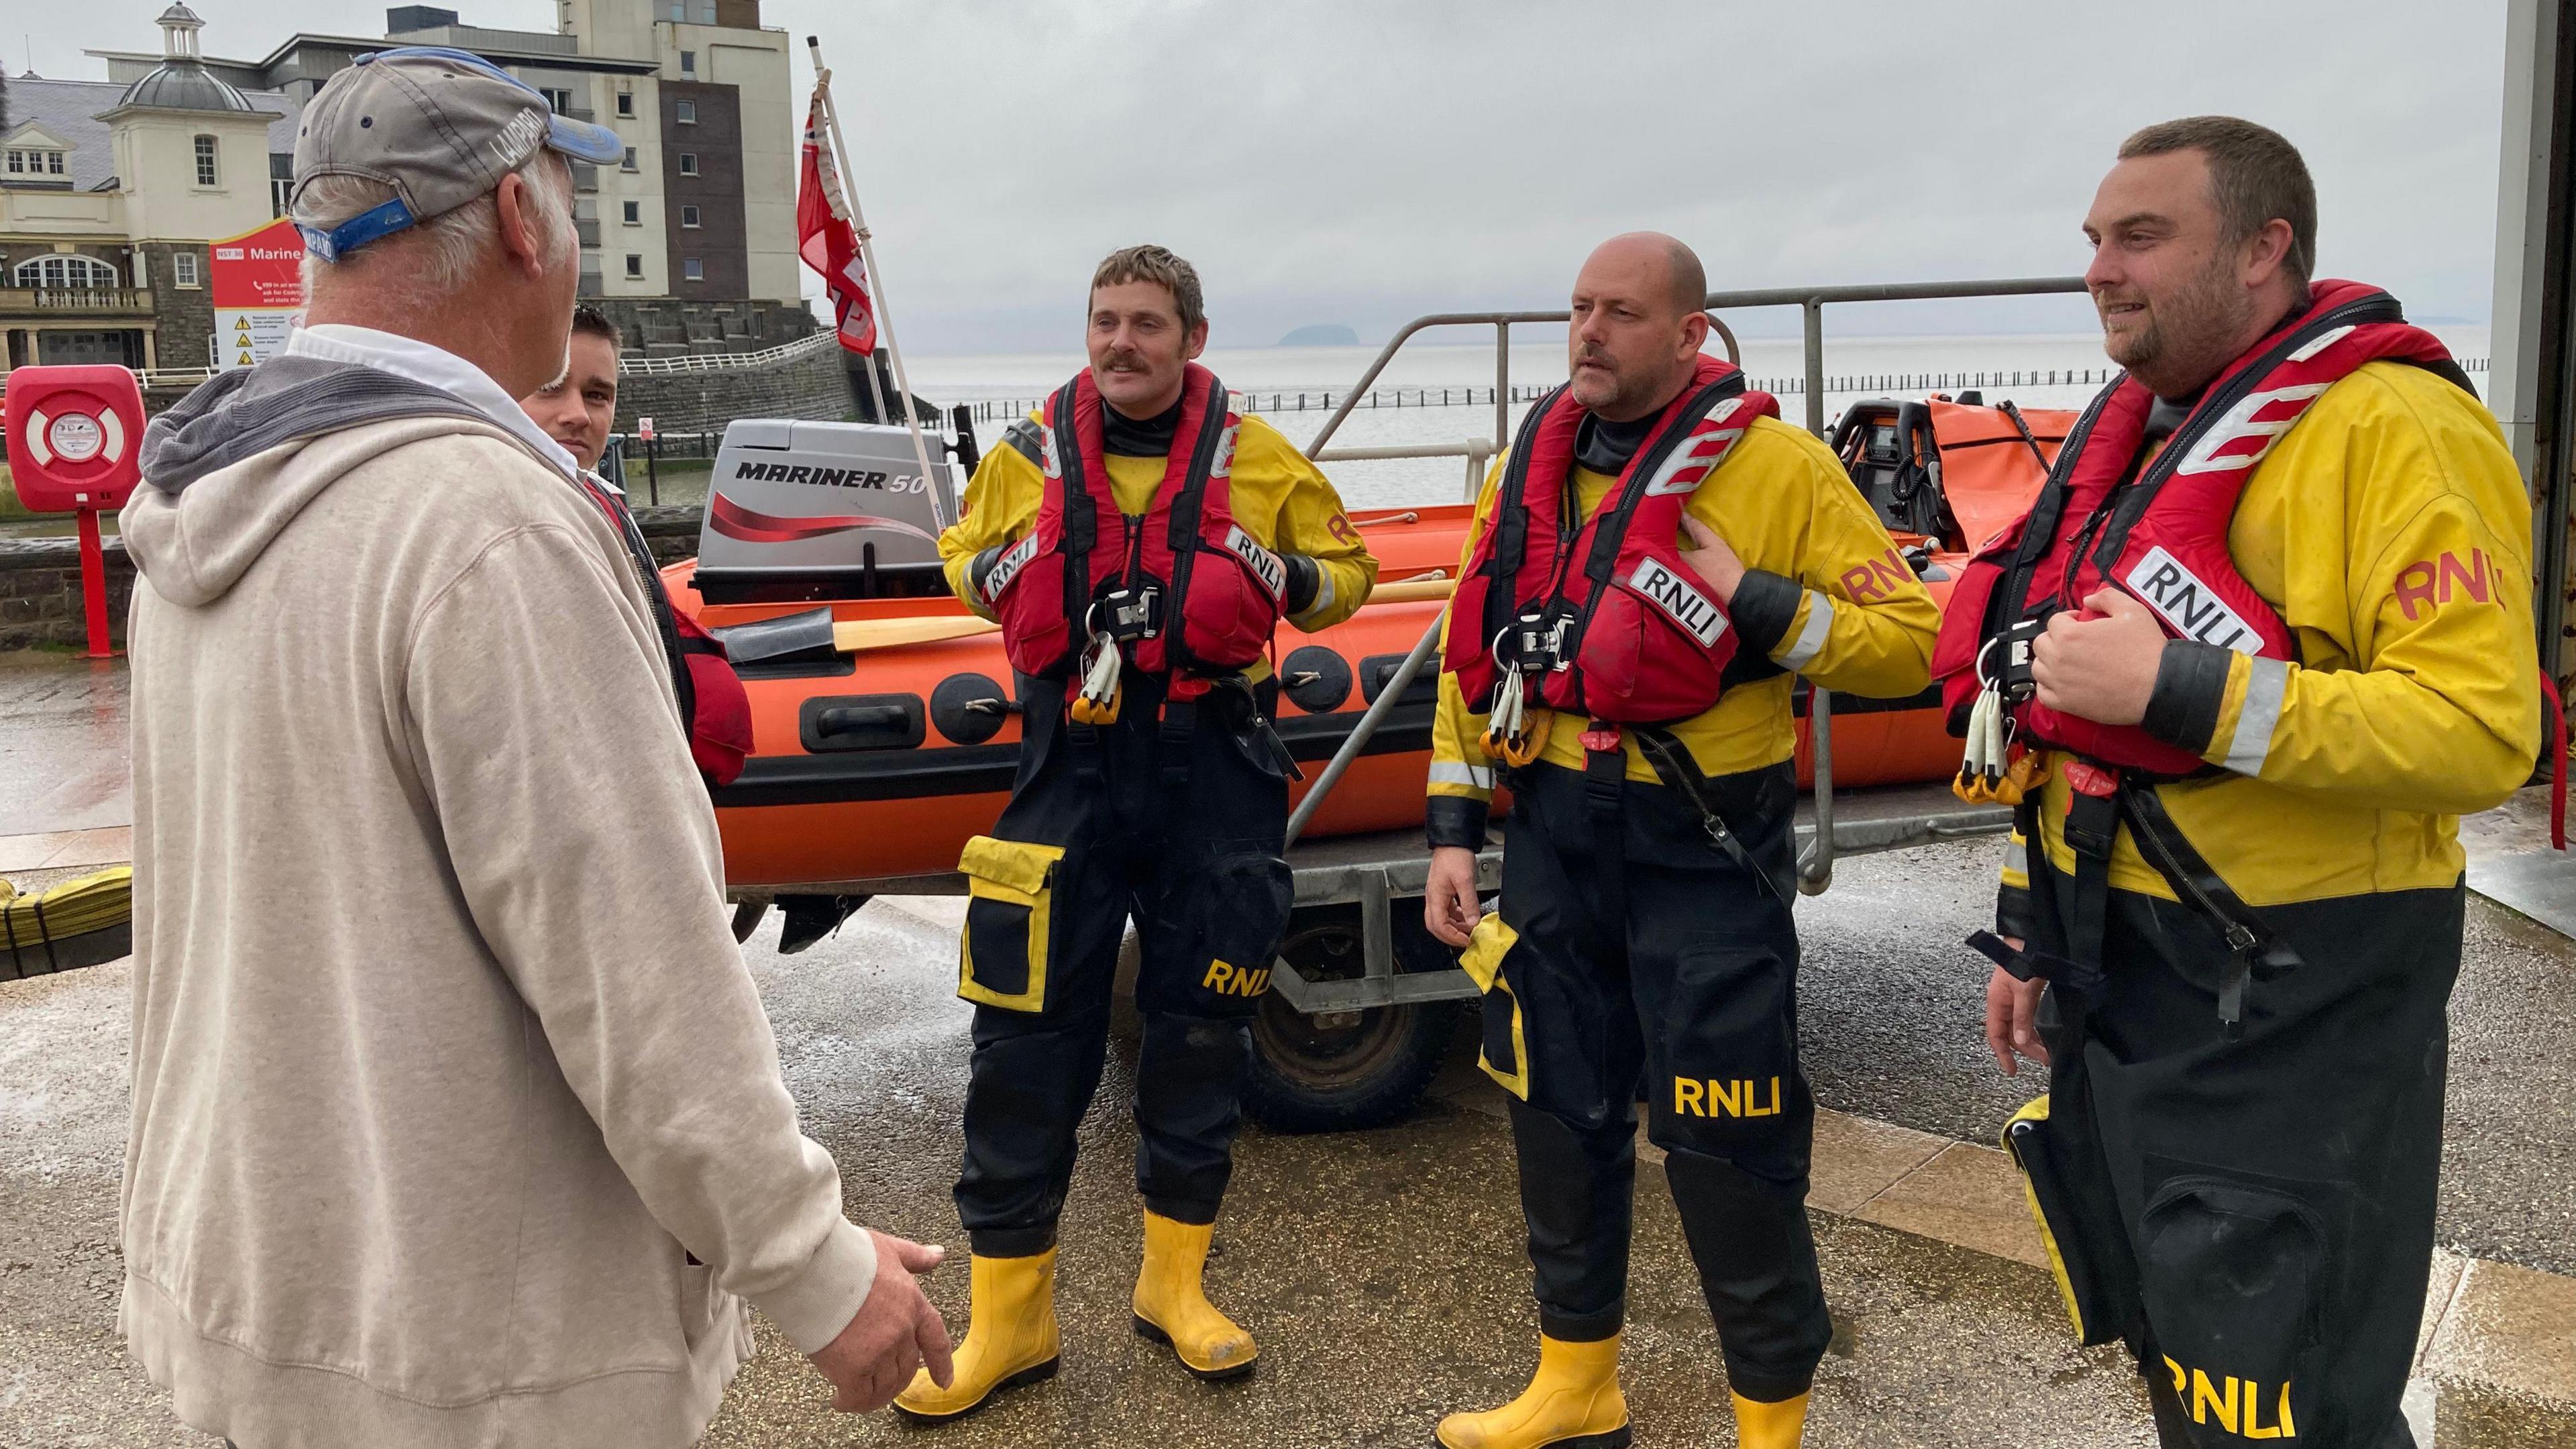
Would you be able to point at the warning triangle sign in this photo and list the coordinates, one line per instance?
(245, 359)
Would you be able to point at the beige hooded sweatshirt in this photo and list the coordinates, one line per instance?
(448, 1075)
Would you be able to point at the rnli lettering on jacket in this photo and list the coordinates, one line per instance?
(2161, 537)
(1220, 591)
(1604, 615)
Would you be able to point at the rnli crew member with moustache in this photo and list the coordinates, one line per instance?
(1643, 938)
(2301, 650)
(577, 410)
(1138, 544)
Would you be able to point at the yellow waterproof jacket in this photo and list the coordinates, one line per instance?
(2391, 531)
(1280, 498)
(1825, 595)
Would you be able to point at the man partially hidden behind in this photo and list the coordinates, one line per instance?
(1139, 543)
(577, 410)
(2277, 617)
(1650, 563)
(456, 1119)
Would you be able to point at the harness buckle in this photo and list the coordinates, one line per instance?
(2013, 679)
(1601, 738)
(1538, 638)
(1128, 615)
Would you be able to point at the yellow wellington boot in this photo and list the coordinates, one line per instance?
(1573, 1402)
(1769, 1426)
(1172, 1307)
(1010, 1339)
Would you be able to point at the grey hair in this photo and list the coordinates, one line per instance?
(439, 256)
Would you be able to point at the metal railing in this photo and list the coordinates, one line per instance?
(727, 361)
(1816, 866)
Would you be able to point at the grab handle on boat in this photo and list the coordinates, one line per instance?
(859, 719)
(1816, 871)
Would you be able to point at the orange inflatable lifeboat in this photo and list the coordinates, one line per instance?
(883, 714)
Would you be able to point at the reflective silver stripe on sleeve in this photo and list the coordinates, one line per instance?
(1323, 593)
(1451, 772)
(1811, 639)
(2252, 742)
(2016, 857)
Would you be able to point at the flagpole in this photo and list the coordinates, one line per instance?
(876, 280)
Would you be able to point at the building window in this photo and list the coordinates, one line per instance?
(705, 11)
(33, 163)
(205, 160)
(60, 271)
(629, 163)
(183, 269)
(688, 113)
(634, 264)
(626, 103)
(679, 12)
(281, 189)
(560, 100)
(692, 269)
(633, 212)
(688, 62)
(688, 216)
(688, 163)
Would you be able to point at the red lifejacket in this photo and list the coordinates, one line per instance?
(713, 703)
(1603, 614)
(2162, 537)
(1213, 594)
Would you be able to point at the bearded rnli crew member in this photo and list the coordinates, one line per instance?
(1138, 544)
(2310, 652)
(1644, 935)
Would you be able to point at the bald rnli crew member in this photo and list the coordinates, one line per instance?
(2268, 633)
(1138, 543)
(1651, 562)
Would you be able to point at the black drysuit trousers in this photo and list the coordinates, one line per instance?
(2256, 1213)
(1659, 964)
(1177, 823)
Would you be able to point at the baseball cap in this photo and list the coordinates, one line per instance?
(438, 125)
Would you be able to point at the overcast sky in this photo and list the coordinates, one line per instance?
(1367, 161)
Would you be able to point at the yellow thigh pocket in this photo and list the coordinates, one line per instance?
(1505, 1053)
(1010, 886)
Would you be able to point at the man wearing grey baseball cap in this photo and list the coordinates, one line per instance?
(456, 1119)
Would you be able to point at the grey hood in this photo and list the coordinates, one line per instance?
(232, 463)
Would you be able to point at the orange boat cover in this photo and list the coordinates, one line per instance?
(1987, 472)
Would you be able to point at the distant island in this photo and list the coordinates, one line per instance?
(1322, 334)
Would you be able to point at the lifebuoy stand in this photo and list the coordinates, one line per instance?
(75, 444)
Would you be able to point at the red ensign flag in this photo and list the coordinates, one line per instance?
(824, 238)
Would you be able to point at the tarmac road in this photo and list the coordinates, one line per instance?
(1381, 1271)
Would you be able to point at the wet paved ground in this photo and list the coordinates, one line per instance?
(62, 744)
(1382, 1271)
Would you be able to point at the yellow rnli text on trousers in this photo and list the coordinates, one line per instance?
(1236, 980)
(2232, 1402)
(1732, 1097)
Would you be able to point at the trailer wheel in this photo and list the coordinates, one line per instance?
(1342, 1070)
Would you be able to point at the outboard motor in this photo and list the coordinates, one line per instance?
(810, 510)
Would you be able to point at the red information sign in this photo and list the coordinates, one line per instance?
(257, 283)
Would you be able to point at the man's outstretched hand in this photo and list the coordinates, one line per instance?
(896, 1332)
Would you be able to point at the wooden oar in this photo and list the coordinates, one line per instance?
(851, 636)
